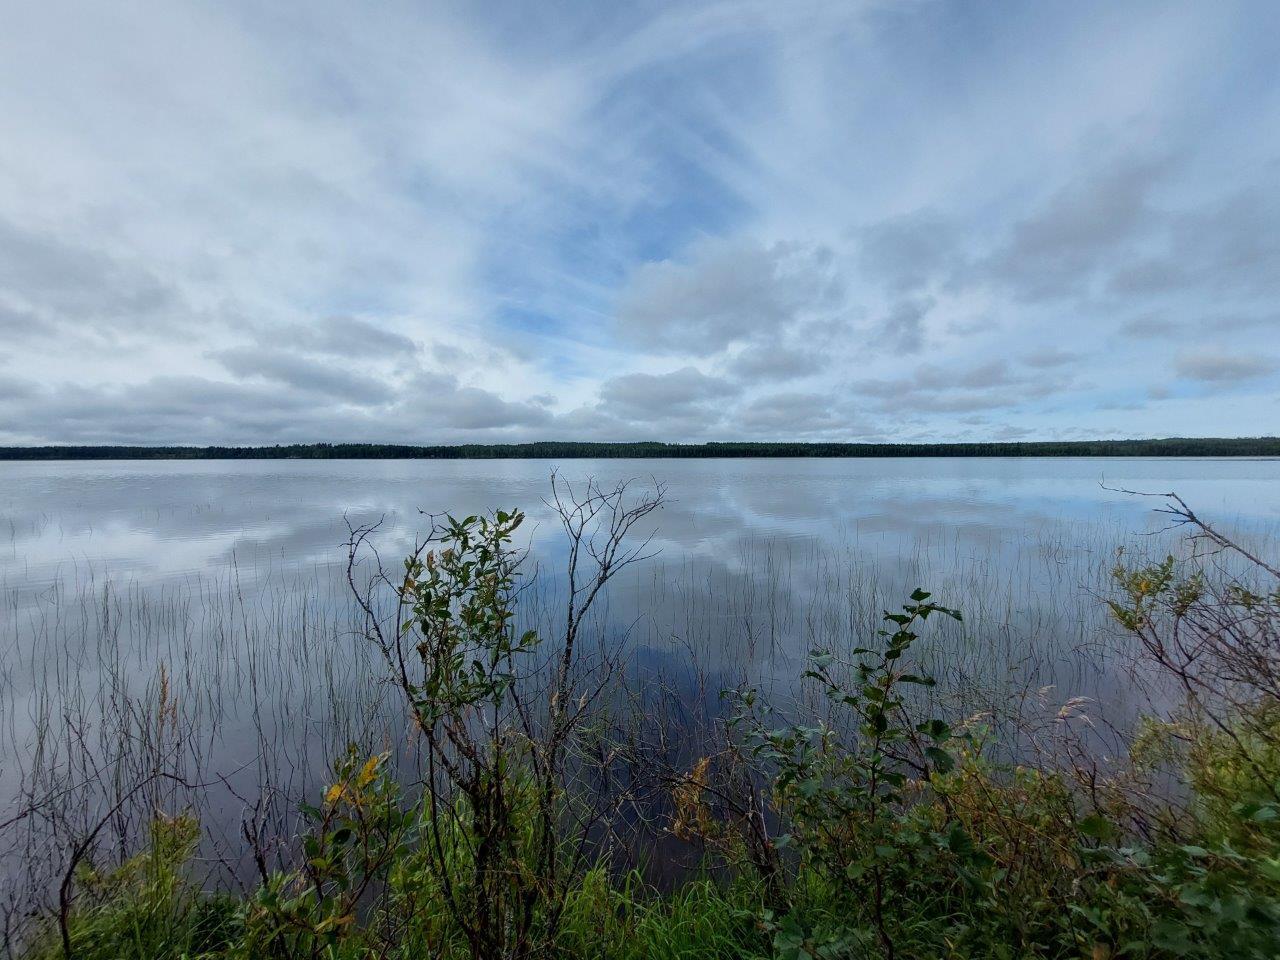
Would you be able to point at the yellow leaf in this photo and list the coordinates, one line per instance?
(368, 771)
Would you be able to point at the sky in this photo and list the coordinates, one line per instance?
(427, 222)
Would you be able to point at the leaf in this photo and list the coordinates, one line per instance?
(959, 842)
(1097, 827)
(1264, 813)
(1269, 868)
(937, 729)
(942, 761)
(917, 679)
(369, 771)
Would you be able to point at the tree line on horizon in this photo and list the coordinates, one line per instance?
(554, 449)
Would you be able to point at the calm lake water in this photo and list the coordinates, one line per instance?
(738, 540)
(219, 584)
(160, 520)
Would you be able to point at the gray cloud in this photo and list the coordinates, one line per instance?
(902, 330)
(352, 337)
(431, 408)
(1058, 250)
(21, 324)
(908, 252)
(784, 415)
(304, 374)
(1049, 357)
(46, 281)
(1230, 246)
(985, 386)
(727, 293)
(439, 400)
(1218, 368)
(17, 388)
(1199, 327)
(1150, 328)
(647, 397)
(181, 409)
(766, 362)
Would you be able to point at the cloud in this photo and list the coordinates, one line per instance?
(46, 282)
(647, 397)
(762, 363)
(352, 337)
(671, 222)
(183, 409)
(197, 410)
(439, 400)
(1150, 328)
(1222, 325)
(1058, 250)
(1217, 368)
(21, 324)
(304, 374)
(17, 388)
(1229, 244)
(902, 330)
(1048, 357)
(786, 415)
(726, 293)
(931, 388)
(909, 251)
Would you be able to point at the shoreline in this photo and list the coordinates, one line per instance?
(1180, 447)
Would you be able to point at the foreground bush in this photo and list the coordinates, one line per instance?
(876, 829)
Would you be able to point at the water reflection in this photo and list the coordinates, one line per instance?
(151, 520)
(233, 569)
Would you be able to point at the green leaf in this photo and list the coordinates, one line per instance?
(942, 761)
(1097, 827)
(937, 729)
(917, 679)
(959, 842)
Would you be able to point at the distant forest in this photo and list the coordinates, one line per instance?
(1171, 447)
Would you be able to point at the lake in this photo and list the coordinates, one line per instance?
(217, 588)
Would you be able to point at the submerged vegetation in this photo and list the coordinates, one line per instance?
(1165, 447)
(868, 817)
